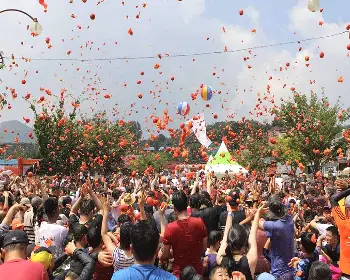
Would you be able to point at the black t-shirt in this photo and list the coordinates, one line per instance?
(333, 254)
(96, 221)
(210, 217)
(237, 217)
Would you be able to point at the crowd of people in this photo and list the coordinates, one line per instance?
(174, 226)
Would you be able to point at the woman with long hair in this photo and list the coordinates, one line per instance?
(232, 253)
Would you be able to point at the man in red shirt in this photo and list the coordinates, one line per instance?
(187, 237)
(16, 266)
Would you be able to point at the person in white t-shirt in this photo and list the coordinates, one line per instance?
(50, 234)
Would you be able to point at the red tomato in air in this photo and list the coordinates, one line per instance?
(162, 180)
(149, 201)
(155, 203)
(123, 208)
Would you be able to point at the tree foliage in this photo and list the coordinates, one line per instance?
(313, 127)
(67, 144)
(157, 161)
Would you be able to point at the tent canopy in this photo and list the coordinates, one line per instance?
(223, 162)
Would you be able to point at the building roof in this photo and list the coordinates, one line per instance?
(8, 162)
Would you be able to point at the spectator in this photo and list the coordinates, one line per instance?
(320, 270)
(331, 251)
(308, 256)
(15, 266)
(145, 240)
(122, 256)
(50, 234)
(342, 221)
(219, 273)
(231, 254)
(187, 232)
(209, 262)
(280, 230)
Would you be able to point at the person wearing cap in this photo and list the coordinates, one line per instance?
(16, 266)
(280, 229)
(342, 221)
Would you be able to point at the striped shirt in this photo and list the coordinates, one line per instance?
(121, 260)
(28, 225)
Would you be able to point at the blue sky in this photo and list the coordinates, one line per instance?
(169, 26)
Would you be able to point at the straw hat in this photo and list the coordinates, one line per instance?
(128, 199)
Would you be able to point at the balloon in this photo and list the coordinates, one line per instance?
(183, 108)
(313, 5)
(206, 92)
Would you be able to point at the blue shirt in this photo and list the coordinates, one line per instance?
(142, 272)
(281, 233)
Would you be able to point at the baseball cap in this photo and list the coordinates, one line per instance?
(25, 201)
(17, 224)
(15, 237)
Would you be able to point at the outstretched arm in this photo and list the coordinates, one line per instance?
(223, 245)
(339, 196)
(104, 229)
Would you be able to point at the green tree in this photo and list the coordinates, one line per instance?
(158, 161)
(67, 144)
(313, 126)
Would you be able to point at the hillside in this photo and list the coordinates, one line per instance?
(15, 129)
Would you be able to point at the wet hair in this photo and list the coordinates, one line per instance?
(179, 200)
(189, 273)
(66, 200)
(51, 206)
(172, 217)
(307, 242)
(195, 201)
(71, 275)
(94, 236)
(65, 211)
(145, 240)
(333, 230)
(320, 270)
(79, 231)
(205, 195)
(38, 215)
(116, 194)
(69, 238)
(237, 239)
(86, 207)
(214, 237)
(123, 218)
(125, 233)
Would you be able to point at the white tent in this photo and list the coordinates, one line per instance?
(223, 162)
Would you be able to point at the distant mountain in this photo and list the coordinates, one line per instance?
(9, 130)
